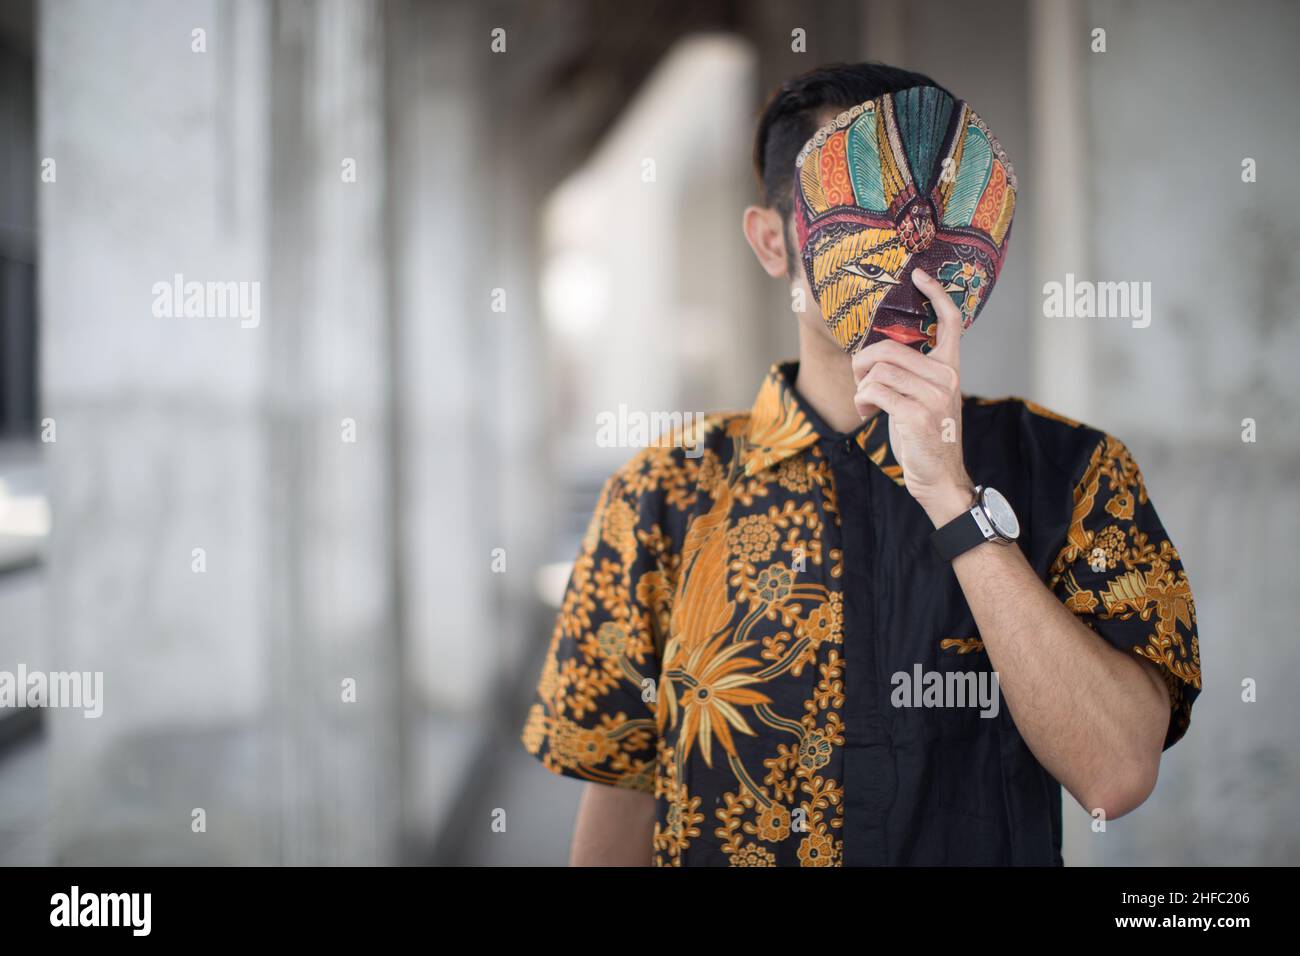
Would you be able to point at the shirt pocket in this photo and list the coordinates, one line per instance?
(969, 688)
(966, 747)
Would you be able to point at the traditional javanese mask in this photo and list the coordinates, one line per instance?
(910, 179)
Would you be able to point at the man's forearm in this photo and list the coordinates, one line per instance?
(1094, 716)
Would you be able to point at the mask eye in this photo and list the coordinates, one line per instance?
(870, 271)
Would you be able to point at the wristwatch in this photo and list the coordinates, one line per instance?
(990, 518)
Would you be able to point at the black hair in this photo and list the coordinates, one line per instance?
(793, 115)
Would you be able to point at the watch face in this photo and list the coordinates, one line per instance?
(999, 511)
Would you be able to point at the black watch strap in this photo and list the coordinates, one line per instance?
(958, 536)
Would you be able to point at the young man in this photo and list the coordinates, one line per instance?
(827, 639)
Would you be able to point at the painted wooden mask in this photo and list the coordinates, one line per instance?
(909, 179)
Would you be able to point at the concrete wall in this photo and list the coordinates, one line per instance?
(1183, 93)
(338, 460)
(222, 688)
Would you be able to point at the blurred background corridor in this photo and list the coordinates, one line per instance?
(436, 218)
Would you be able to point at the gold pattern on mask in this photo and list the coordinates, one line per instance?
(851, 274)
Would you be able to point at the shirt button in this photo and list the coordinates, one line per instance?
(848, 445)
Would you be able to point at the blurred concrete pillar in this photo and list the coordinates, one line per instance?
(440, 209)
(221, 550)
(334, 513)
(468, 373)
(1062, 349)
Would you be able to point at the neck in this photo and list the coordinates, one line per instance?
(825, 380)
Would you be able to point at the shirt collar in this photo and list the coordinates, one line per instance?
(782, 424)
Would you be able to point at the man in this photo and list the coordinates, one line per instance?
(872, 621)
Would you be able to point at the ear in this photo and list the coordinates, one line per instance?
(765, 231)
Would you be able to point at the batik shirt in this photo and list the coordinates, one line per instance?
(731, 633)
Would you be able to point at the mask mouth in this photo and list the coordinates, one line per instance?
(901, 326)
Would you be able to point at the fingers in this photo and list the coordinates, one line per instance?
(895, 353)
(896, 405)
(906, 382)
(901, 380)
(947, 347)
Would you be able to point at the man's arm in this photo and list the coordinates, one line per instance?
(1093, 716)
(615, 827)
